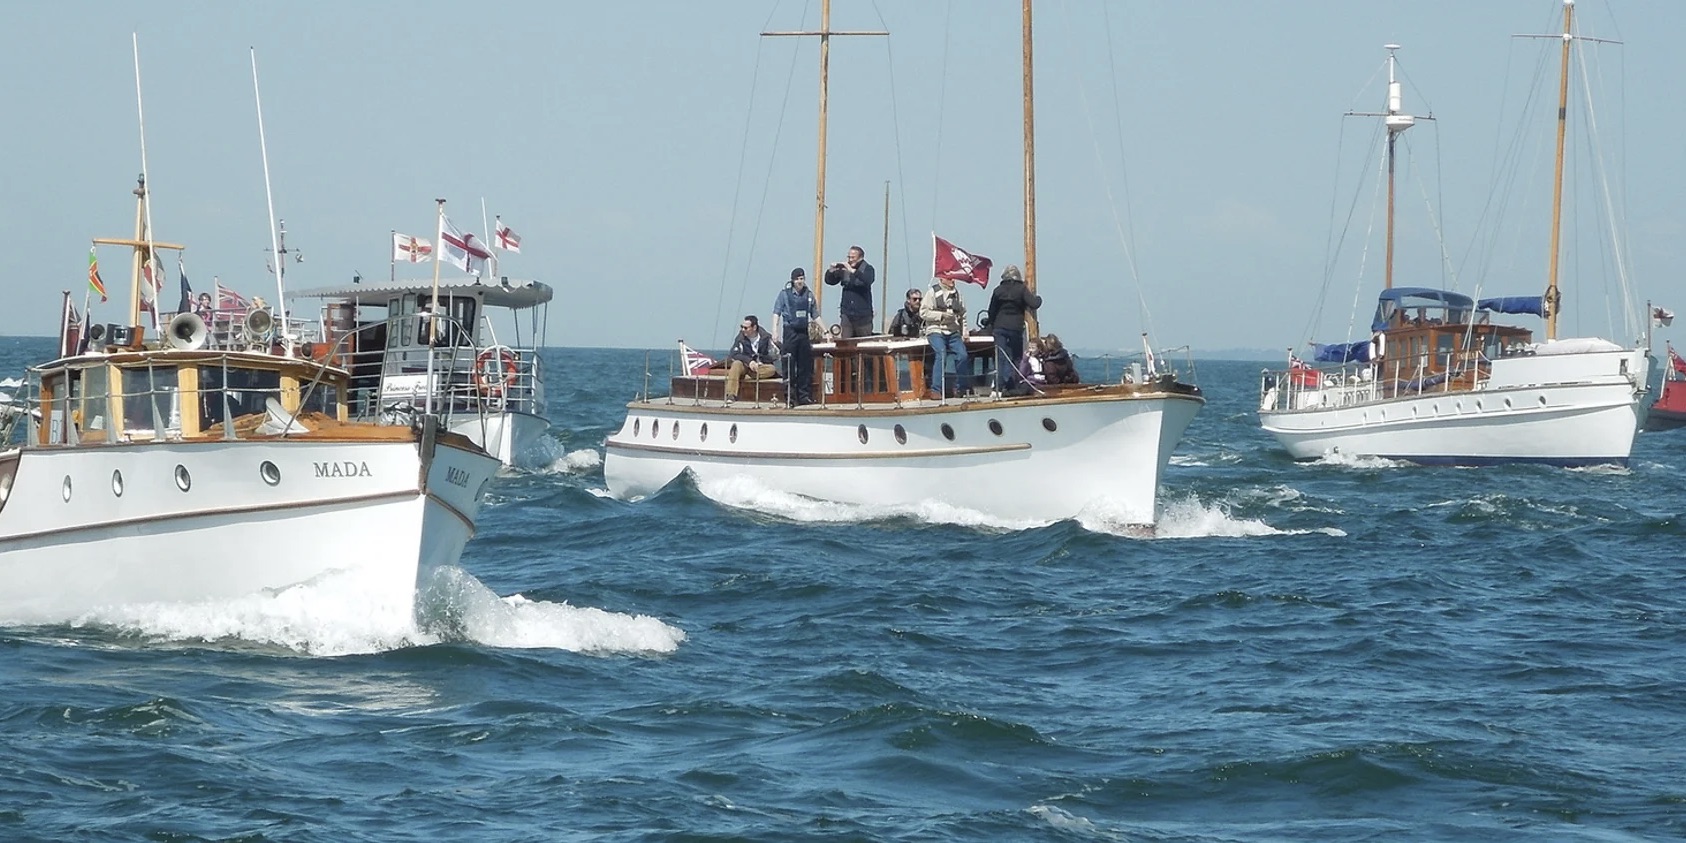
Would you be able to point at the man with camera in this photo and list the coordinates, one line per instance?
(855, 276)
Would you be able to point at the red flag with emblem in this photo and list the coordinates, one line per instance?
(951, 261)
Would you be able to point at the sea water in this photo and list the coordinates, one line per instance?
(1336, 650)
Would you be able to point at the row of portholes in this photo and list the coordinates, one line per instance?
(861, 432)
(270, 472)
(1457, 406)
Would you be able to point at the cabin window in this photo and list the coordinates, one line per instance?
(243, 394)
(324, 399)
(457, 328)
(95, 388)
(1443, 348)
(150, 400)
(401, 309)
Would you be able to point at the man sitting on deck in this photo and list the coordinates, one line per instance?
(753, 352)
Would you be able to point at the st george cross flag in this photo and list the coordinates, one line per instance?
(408, 249)
(1662, 316)
(151, 279)
(954, 262)
(696, 362)
(460, 249)
(506, 239)
(95, 282)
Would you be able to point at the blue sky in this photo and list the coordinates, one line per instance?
(658, 157)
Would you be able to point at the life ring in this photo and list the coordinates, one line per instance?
(495, 370)
(1378, 346)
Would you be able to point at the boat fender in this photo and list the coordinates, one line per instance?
(1378, 346)
(494, 371)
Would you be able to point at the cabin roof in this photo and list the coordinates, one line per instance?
(1421, 296)
(513, 294)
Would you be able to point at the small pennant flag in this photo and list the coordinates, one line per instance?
(95, 282)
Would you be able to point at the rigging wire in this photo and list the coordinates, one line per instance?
(896, 133)
(778, 131)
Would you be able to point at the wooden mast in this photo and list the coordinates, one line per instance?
(825, 32)
(1553, 295)
(1029, 171)
(1396, 121)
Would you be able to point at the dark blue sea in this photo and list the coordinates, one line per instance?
(1357, 651)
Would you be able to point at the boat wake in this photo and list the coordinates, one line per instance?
(1187, 518)
(582, 461)
(1363, 463)
(749, 494)
(338, 615)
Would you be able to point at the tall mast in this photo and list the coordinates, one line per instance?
(825, 32)
(1029, 170)
(1553, 295)
(1396, 121)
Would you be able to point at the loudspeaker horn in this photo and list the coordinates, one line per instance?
(187, 330)
(258, 324)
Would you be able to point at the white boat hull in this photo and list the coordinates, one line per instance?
(70, 543)
(1563, 409)
(1111, 448)
(511, 437)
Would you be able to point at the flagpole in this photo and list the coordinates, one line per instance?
(884, 277)
(433, 301)
(493, 243)
(145, 209)
(269, 195)
(392, 260)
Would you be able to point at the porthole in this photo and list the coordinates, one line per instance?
(117, 483)
(732, 434)
(1542, 400)
(948, 432)
(901, 435)
(861, 432)
(66, 489)
(702, 432)
(1507, 403)
(676, 430)
(5, 487)
(1050, 425)
(270, 472)
(655, 429)
(995, 427)
(636, 425)
(184, 481)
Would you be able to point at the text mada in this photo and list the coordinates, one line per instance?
(349, 468)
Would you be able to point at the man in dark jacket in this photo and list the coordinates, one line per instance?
(906, 324)
(753, 353)
(855, 275)
(1007, 307)
(795, 307)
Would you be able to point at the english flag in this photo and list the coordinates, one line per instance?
(951, 261)
(695, 361)
(408, 249)
(460, 249)
(506, 239)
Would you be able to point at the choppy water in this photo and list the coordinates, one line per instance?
(1353, 651)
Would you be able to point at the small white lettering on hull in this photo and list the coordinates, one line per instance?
(348, 468)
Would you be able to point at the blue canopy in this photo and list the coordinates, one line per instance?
(1534, 305)
(1391, 301)
(1341, 352)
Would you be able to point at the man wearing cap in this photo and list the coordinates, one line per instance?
(792, 310)
(1007, 307)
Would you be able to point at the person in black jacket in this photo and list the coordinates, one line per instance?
(1057, 365)
(753, 353)
(1007, 307)
(907, 324)
(855, 275)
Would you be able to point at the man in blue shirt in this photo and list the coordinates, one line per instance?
(794, 308)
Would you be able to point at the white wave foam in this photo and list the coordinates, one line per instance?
(1342, 460)
(341, 614)
(1062, 819)
(750, 494)
(1186, 518)
(575, 462)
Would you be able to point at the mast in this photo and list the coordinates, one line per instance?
(1396, 121)
(884, 262)
(1553, 296)
(824, 32)
(1029, 171)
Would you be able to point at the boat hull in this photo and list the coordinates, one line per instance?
(1669, 412)
(512, 437)
(1039, 459)
(96, 526)
(1570, 410)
